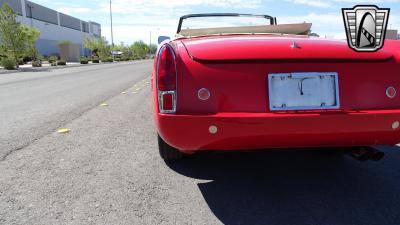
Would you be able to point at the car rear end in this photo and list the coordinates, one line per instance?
(260, 92)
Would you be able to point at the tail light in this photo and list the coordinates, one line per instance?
(166, 80)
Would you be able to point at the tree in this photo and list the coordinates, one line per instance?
(99, 46)
(16, 40)
(152, 49)
(119, 48)
(140, 49)
(10, 36)
(30, 37)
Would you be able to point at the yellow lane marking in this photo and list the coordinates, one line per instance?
(124, 92)
(141, 83)
(63, 131)
(134, 92)
(104, 104)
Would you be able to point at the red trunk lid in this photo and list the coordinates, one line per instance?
(257, 47)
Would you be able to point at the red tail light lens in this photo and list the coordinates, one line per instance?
(166, 80)
(166, 69)
(168, 101)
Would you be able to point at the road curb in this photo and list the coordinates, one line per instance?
(49, 68)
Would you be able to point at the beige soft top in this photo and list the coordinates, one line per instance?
(295, 28)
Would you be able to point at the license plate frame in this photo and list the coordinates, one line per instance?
(327, 90)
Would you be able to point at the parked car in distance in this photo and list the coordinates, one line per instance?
(263, 85)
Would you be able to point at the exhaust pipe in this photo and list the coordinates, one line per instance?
(376, 155)
(363, 154)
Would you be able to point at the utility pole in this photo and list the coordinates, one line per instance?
(150, 38)
(112, 35)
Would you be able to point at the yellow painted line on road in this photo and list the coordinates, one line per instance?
(104, 104)
(141, 84)
(134, 92)
(137, 89)
(63, 131)
(124, 92)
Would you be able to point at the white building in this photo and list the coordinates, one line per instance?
(54, 26)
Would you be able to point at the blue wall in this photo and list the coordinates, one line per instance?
(47, 47)
(50, 47)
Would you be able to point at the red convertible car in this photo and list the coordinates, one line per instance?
(270, 86)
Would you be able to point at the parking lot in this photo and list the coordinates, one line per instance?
(106, 169)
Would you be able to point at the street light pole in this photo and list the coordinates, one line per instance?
(112, 35)
(150, 38)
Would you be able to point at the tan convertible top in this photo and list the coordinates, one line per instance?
(295, 28)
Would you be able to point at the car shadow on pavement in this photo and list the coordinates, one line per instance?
(297, 187)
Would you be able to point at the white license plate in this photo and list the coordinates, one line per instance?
(303, 91)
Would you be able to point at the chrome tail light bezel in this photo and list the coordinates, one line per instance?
(161, 102)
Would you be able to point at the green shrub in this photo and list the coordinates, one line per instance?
(27, 59)
(8, 64)
(117, 59)
(84, 60)
(53, 64)
(52, 59)
(36, 63)
(21, 62)
(61, 63)
(40, 57)
(108, 59)
(95, 60)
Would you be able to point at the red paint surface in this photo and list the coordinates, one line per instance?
(235, 70)
(269, 47)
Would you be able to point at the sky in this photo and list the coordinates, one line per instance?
(134, 20)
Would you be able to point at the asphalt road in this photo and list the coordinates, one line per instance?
(107, 169)
(33, 104)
